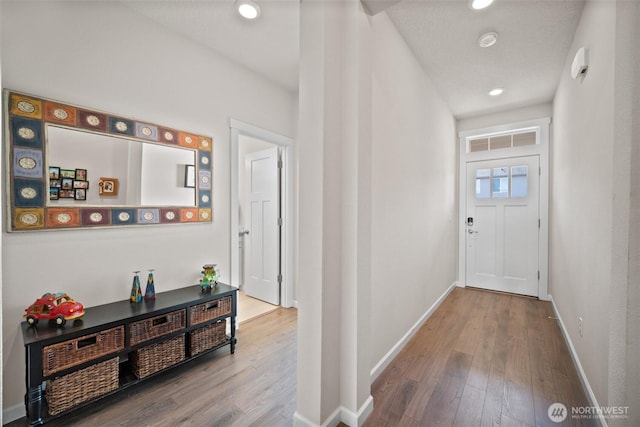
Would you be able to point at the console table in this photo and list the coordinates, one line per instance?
(116, 345)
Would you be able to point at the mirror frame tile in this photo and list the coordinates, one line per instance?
(27, 192)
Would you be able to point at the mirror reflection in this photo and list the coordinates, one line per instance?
(102, 170)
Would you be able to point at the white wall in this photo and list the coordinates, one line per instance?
(589, 219)
(2, 183)
(633, 297)
(582, 172)
(413, 191)
(334, 239)
(103, 55)
(504, 117)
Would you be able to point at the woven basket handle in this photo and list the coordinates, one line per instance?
(86, 342)
(160, 321)
(211, 306)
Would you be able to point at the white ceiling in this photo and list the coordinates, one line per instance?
(534, 40)
(268, 45)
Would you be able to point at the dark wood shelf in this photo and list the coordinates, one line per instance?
(103, 317)
(99, 317)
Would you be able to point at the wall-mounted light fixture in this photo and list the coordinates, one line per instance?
(497, 91)
(247, 8)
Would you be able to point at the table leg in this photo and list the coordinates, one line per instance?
(233, 334)
(34, 405)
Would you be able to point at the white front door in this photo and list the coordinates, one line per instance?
(262, 243)
(502, 225)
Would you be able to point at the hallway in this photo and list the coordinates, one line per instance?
(483, 358)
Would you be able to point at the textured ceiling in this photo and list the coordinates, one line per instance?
(534, 39)
(268, 45)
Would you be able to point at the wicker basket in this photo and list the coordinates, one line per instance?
(156, 357)
(157, 326)
(208, 337)
(66, 354)
(70, 390)
(209, 310)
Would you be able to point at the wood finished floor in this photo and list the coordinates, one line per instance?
(254, 386)
(482, 359)
(250, 308)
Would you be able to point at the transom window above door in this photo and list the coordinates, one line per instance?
(502, 141)
(502, 182)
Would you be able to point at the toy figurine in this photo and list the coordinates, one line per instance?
(209, 277)
(59, 307)
(150, 291)
(136, 293)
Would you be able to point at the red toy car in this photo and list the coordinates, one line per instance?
(59, 307)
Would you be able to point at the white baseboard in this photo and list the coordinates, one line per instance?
(301, 421)
(334, 419)
(357, 419)
(388, 358)
(341, 414)
(13, 413)
(576, 361)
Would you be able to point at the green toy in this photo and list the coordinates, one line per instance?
(209, 276)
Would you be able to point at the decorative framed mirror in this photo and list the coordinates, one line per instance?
(76, 167)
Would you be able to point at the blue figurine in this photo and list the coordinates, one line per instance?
(136, 293)
(150, 291)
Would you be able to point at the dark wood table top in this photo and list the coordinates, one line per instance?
(102, 316)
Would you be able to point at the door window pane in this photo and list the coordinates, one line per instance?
(483, 179)
(519, 181)
(500, 183)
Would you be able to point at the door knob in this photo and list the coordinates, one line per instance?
(243, 233)
(470, 231)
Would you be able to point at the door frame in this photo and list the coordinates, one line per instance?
(287, 251)
(541, 149)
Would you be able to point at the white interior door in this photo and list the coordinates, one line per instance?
(262, 213)
(502, 230)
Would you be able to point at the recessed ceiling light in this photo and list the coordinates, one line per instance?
(248, 8)
(480, 4)
(488, 39)
(497, 91)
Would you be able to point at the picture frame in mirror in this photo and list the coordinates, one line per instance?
(108, 186)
